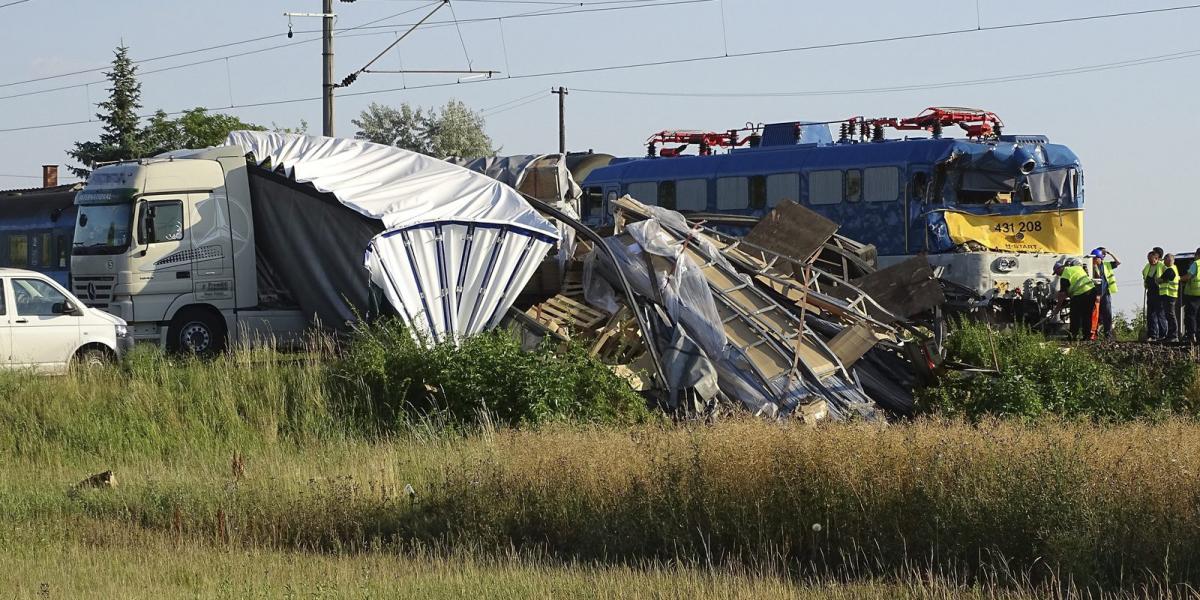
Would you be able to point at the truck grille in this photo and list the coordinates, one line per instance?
(96, 292)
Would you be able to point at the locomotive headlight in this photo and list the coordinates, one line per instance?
(1006, 264)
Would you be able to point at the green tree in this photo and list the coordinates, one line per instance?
(404, 127)
(121, 138)
(455, 130)
(195, 128)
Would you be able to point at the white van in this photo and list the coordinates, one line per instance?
(45, 328)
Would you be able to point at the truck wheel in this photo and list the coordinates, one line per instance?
(196, 332)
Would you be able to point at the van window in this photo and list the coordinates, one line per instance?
(733, 193)
(824, 187)
(36, 298)
(18, 250)
(645, 192)
(881, 184)
(691, 194)
(3, 302)
(161, 222)
(783, 186)
(853, 185)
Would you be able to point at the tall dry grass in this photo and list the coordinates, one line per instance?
(1107, 506)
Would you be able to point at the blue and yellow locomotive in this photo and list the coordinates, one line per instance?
(991, 211)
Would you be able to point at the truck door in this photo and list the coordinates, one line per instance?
(212, 256)
(165, 257)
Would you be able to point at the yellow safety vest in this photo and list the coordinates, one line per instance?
(1192, 287)
(1106, 271)
(1078, 280)
(1152, 271)
(1169, 289)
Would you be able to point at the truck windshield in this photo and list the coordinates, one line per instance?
(103, 228)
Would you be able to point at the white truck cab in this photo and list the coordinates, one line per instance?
(167, 244)
(45, 328)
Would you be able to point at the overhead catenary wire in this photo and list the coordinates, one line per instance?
(1003, 79)
(13, 3)
(540, 96)
(1106, 66)
(369, 25)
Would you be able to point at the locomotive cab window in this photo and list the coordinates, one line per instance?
(645, 192)
(824, 187)
(733, 193)
(854, 182)
(782, 186)
(692, 195)
(758, 192)
(881, 184)
(666, 194)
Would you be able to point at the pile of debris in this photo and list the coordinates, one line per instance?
(787, 321)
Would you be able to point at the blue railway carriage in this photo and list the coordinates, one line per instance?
(36, 229)
(992, 212)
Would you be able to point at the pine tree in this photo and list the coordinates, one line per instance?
(121, 139)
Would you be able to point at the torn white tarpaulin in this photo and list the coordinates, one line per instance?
(456, 246)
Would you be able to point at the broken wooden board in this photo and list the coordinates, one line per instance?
(793, 231)
(851, 343)
(905, 288)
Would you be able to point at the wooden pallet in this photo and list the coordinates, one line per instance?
(568, 312)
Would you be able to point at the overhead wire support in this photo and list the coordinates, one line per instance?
(349, 79)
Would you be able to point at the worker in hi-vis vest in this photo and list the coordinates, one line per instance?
(1168, 292)
(1191, 300)
(1076, 286)
(1156, 325)
(1106, 282)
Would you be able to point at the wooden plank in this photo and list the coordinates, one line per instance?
(905, 288)
(793, 231)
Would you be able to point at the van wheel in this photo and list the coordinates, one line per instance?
(196, 332)
(90, 359)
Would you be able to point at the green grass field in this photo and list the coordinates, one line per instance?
(567, 506)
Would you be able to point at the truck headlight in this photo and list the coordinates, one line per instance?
(122, 331)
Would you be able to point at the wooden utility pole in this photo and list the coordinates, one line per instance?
(327, 68)
(562, 120)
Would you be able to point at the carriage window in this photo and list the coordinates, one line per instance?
(692, 194)
(18, 250)
(853, 185)
(784, 186)
(593, 200)
(47, 250)
(881, 184)
(824, 187)
(645, 192)
(758, 191)
(64, 249)
(666, 194)
(733, 193)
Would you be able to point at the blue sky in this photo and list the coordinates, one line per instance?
(1132, 127)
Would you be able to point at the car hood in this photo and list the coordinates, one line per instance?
(103, 316)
